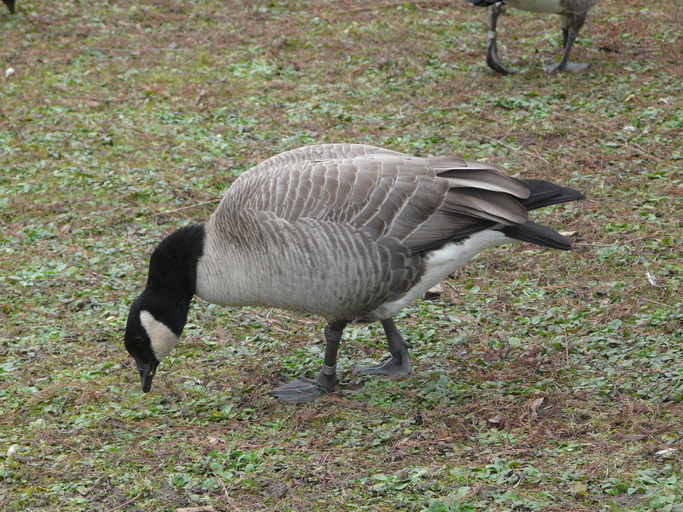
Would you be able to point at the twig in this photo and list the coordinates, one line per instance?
(659, 303)
(39, 312)
(196, 205)
(125, 503)
(134, 50)
(419, 5)
(579, 244)
(627, 144)
(63, 99)
(517, 149)
(102, 278)
(270, 323)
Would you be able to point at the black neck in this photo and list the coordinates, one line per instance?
(173, 265)
(172, 278)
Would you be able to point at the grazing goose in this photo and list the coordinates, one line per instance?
(10, 5)
(350, 232)
(573, 13)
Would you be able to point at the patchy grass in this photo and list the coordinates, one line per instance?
(543, 381)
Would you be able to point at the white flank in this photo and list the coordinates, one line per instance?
(551, 6)
(439, 264)
(162, 338)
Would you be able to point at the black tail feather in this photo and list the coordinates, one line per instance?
(544, 193)
(537, 234)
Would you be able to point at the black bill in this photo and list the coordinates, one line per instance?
(147, 371)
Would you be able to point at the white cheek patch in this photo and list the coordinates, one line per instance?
(162, 338)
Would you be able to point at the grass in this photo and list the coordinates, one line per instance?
(542, 381)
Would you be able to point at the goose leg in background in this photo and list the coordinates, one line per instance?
(398, 363)
(492, 52)
(305, 390)
(10, 5)
(570, 29)
(565, 37)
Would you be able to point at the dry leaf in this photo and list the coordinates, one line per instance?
(496, 420)
(434, 292)
(666, 453)
(534, 405)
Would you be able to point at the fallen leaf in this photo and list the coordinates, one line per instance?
(12, 450)
(496, 420)
(533, 406)
(434, 292)
(578, 488)
(666, 453)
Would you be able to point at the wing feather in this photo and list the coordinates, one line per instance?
(420, 203)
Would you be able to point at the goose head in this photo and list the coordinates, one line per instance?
(148, 338)
(158, 315)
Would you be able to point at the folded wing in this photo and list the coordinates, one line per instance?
(420, 202)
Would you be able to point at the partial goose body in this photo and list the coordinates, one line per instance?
(10, 5)
(346, 231)
(368, 229)
(572, 12)
(547, 6)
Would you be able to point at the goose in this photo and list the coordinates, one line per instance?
(350, 232)
(573, 13)
(10, 5)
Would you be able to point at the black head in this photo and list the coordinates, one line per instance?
(139, 346)
(158, 315)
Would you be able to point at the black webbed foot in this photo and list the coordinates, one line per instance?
(10, 6)
(398, 362)
(572, 67)
(304, 390)
(493, 62)
(564, 64)
(299, 391)
(391, 367)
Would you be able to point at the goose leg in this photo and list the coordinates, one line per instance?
(398, 363)
(492, 52)
(569, 31)
(304, 390)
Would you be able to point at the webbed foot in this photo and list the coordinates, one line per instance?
(572, 67)
(493, 61)
(299, 391)
(391, 367)
(303, 390)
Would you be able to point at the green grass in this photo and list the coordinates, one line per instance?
(543, 381)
